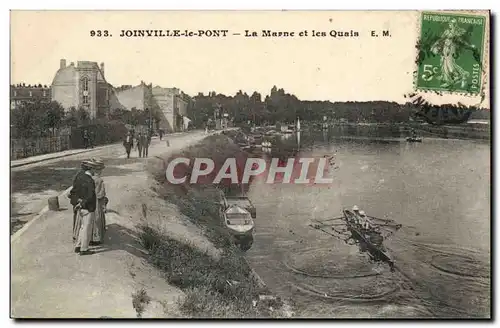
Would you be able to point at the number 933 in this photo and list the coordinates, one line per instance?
(99, 33)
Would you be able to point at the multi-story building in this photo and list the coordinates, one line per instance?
(83, 86)
(21, 93)
(173, 105)
(170, 103)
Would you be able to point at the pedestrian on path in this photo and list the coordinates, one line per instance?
(99, 226)
(86, 139)
(128, 143)
(73, 195)
(85, 192)
(146, 143)
(140, 142)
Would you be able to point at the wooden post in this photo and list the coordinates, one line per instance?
(54, 203)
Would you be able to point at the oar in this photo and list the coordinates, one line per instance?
(338, 218)
(326, 224)
(387, 221)
(327, 232)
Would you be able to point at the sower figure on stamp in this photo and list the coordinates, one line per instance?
(86, 205)
(446, 46)
(99, 226)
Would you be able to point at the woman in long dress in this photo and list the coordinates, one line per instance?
(83, 198)
(99, 227)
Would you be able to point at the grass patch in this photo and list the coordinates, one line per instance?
(227, 281)
(139, 301)
(214, 288)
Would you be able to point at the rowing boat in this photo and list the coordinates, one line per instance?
(377, 251)
(410, 139)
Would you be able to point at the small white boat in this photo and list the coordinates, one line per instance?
(240, 223)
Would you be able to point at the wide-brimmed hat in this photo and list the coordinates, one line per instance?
(98, 163)
(88, 163)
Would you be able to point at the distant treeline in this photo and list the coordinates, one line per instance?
(280, 106)
(481, 114)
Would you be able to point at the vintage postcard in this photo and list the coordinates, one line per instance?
(250, 164)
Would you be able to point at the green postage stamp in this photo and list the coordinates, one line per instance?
(450, 52)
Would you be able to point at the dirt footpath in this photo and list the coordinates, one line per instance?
(49, 280)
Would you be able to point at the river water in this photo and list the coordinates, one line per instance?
(439, 190)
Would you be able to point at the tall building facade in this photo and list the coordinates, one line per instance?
(82, 86)
(22, 93)
(172, 103)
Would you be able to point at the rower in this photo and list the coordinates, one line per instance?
(365, 221)
(355, 210)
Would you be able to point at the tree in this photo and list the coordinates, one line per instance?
(83, 116)
(119, 114)
(133, 118)
(157, 118)
(53, 115)
(71, 117)
(24, 121)
(37, 118)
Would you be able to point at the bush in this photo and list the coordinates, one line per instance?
(228, 280)
(102, 133)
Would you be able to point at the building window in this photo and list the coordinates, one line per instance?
(44, 93)
(31, 94)
(85, 87)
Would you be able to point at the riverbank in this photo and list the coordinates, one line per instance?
(461, 131)
(469, 131)
(209, 268)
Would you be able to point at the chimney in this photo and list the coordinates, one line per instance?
(102, 69)
(63, 63)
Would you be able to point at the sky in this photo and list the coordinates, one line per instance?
(359, 68)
